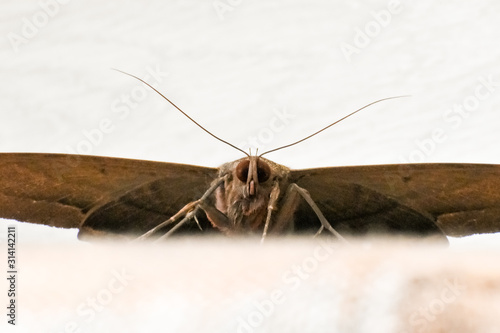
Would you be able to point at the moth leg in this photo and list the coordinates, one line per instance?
(290, 203)
(197, 223)
(217, 218)
(273, 198)
(188, 211)
(172, 219)
(186, 218)
(320, 230)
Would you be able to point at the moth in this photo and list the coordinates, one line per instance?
(104, 196)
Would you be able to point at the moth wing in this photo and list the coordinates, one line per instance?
(142, 208)
(461, 199)
(63, 190)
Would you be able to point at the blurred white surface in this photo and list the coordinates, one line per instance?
(237, 285)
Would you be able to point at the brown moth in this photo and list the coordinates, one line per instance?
(103, 196)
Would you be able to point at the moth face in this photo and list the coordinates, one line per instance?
(252, 172)
(244, 197)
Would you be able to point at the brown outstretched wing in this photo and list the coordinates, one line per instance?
(462, 199)
(63, 190)
(120, 196)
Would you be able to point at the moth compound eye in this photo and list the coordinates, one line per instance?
(242, 170)
(263, 171)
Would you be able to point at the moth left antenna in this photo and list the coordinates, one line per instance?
(185, 114)
(335, 122)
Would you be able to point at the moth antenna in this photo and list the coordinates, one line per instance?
(185, 114)
(335, 122)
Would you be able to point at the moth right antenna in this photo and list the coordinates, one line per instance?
(335, 122)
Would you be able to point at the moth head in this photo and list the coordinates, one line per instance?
(252, 171)
(250, 179)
